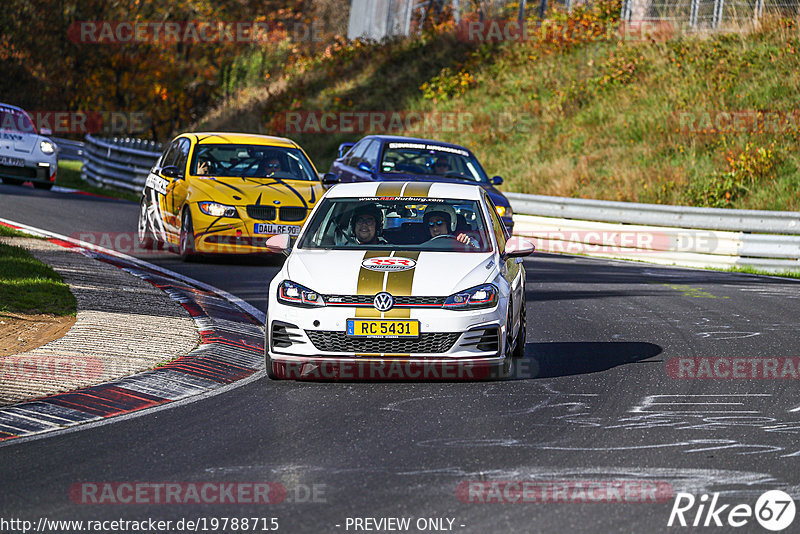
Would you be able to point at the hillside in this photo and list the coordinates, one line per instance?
(578, 110)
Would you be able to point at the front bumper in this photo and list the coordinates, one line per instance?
(312, 343)
(34, 170)
(229, 236)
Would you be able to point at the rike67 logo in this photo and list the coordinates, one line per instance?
(774, 510)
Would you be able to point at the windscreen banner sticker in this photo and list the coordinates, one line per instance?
(388, 264)
(421, 200)
(423, 146)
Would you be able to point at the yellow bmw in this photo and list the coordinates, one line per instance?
(212, 193)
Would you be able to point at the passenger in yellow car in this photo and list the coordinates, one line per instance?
(203, 168)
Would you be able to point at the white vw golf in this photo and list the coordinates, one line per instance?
(398, 280)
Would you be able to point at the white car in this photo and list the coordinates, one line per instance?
(25, 156)
(436, 292)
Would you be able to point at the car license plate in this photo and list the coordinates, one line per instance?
(263, 228)
(382, 328)
(12, 162)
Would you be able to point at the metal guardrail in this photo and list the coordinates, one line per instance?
(68, 149)
(670, 235)
(768, 222)
(119, 163)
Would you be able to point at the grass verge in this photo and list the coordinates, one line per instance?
(5, 231)
(30, 286)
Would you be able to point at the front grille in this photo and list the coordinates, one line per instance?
(285, 335)
(292, 214)
(261, 213)
(18, 172)
(339, 342)
(484, 339)
(399, 301)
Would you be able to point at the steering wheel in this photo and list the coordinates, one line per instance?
(451, 236)
(472, 241)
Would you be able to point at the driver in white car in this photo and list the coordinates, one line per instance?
(441, 220)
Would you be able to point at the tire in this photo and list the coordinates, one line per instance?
(504, 371)
(144, 236)
(519, 348)
(41, 185)
(186, 245)
(12, 181)
(270, 373)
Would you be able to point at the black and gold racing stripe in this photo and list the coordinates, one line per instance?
(369, 283)
(390, 189)
(400, 284)
(417, 189)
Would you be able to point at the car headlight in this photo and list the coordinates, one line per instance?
(215, 209)
(482, 296)
(297, 295)
(47, 147)
(502, 211)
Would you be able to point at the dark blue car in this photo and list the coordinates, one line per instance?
(389, 157)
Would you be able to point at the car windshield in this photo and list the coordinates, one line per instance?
(251, 161)
(15, 120)
(432, 159)
(397, 223)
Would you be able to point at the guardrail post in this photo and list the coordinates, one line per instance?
(719, 5)
(627, 10)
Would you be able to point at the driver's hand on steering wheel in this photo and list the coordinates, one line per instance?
(467, 240)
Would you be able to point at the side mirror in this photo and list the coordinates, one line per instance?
(364, 166)
(517, 247)
(170, 171)
(46, 131)
(279, 243)
(344, 147)
(497, 180)
(329, 178)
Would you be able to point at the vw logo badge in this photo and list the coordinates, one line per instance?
(383, 301)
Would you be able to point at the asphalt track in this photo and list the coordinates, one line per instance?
(592, 401)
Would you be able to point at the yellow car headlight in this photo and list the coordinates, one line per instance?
(215, 209)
